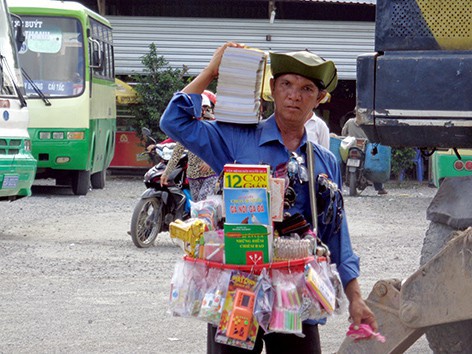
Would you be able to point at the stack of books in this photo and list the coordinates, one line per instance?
(257, 176)
(239, 87)
(252, 201)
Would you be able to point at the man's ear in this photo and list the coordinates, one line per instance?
(272, 85)
(323, 97)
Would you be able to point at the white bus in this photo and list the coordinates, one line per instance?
(17, 164)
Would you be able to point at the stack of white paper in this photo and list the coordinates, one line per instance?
(239, 86)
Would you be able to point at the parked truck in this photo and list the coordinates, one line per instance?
(416, 91)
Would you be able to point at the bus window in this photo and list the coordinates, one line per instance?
(101, 40)
(53, 56)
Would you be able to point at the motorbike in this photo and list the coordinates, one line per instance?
(366, 163)
(355, 177)
(160, 205)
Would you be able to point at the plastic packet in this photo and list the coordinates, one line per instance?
(264, 300)
(319, 285)
(333, 299)
(238, 326)
(208, 210)
(286, 310)
(196, 289)
(291, 248)
(179, 288)
(187, 289)
(213, 247)
(341, 299)
(364, 331)
(217, 281)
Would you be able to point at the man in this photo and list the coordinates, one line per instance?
(351, 128)
(317, 131)
(301, 81)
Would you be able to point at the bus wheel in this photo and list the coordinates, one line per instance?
(98, 179)
(81, 182)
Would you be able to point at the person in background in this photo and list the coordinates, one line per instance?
(301, 81)
(351, 128)
(202, 179)
(317, 130)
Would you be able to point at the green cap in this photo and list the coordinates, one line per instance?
(322, 72)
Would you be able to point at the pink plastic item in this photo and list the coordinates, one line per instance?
(363, 331)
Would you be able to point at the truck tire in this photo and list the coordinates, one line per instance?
(453, 337)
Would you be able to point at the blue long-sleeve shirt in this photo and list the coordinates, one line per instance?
(221, 143)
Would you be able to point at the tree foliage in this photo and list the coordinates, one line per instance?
(402, 160)
(155, 87)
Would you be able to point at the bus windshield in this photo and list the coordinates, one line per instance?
(53, 56)
(9, 68)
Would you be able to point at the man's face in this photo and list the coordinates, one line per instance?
(295, 98)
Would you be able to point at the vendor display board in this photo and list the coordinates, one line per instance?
(239, 275)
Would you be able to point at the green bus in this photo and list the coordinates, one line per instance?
(68, 66)
(17, 164)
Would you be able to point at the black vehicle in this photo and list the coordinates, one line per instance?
(355, 177)
(160, 205)
(366, 163)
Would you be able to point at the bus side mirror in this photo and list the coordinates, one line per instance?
(97, 58)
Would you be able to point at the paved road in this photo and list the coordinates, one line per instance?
(73, 282)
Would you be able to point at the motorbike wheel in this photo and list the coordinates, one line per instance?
(146, 222)
(352, 184)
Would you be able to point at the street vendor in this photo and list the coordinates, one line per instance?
(300, 82)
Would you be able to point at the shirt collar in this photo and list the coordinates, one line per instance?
(270, 132)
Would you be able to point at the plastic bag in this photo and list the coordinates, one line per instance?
(264, 300)
(286, 310)
(213, 246)
(341, 299)
(319, 285)
(238, 326)
(179, 288)
(217, 281)
(346, 144)
(187, 289)
(196, 289)
(208, 210)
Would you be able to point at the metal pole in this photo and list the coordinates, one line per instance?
(311, 185)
